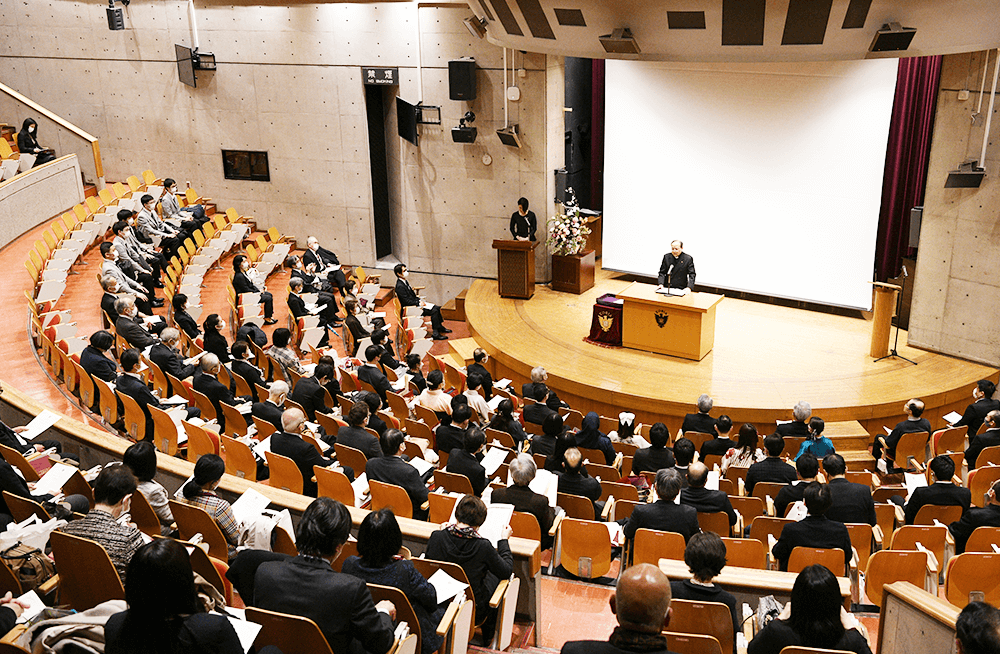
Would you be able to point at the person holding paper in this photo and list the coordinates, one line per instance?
(218, 393)
(324, 262)
(166, 355)
(472, 385)
(701, 422)
(215, 340)
(504, 420)
(802, 411)
(10, 436)
(283, 356)
(243, 284)
(354, 324)
(983, 403)
(484, 566)
(11, 609)
(943, 492)
(310, 391)
(271, 408)
(129, 326)
(150, 225)
(190, 217)
(465, 460)
(408, 298)
(131, 383)
(705, 500)
(12, 482)
(182, 318)
(129, 278)
(988, 516)
(327, 311)
(392, 468)
(815, 530)
(243, 366)
(663, 514)
(807, 466)
(676, 269)
(379, 542)
(522, 471)
(289, 442)
(27, 142)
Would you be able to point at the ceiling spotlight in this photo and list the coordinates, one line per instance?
(510, 135)
(476, 26)
(620, 41)
(464, 133)
(116, 21)
(892, 38)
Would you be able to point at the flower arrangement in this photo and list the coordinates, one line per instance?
(567, 232)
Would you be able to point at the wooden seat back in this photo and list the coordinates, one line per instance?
(603, 472)
(803, 557)
(946, 515)
(862, 541)
(236, 424)
(651, 545)
(164, 431)
(698, 438)
(86, 575)
(207, 408)
(748, 507)
(761, 527)
(425, 415)
(716, 522)
(988, 456)
(240, 460)
(706, 618)
(333, 483)
(585, 547)
(143, 515)
(617, 491)
(799, 649)
(973, 572)
(404, 610)
(453, 482)
(283, 542)
(980, 482)
(264, 428)
(9, 583)
(85, 389)
(681, 643)
(291, 634)
(135, 419)
(192, 520)
(22, 508)
(982, 539)
(949, 439)
(576, 506)
(284, 473)
(525, 525)
(931, 537)
(888, 566)
(390, 496)
(764, 489)
(912, 445)
(16, 459)
(351, 457)
(108, 400)
(745, 553)
(200, 441)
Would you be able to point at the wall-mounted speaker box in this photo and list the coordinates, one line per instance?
(462, 79)
(116, 20)
(463, 134)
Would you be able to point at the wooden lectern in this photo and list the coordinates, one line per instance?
(515, 268)
(885, 307)
(679, 326)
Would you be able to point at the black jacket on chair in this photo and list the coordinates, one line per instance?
(988, 516)
(304, 455)
(812, 531)
(372, 375)
(663, 515)
(393, 470)
(217, 344)
(973, 416)
(708, 501)
(851, 502)
(360, 439)
(187, 323)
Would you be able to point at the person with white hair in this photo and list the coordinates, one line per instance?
(130, 326)
(270, 409)
(522, 472)
(539, 377)
(165, 355)
(326, 263)
(701, 422)
(802, 411)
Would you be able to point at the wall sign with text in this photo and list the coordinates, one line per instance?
(380, 76)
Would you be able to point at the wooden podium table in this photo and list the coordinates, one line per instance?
(681, 326)
(515, 268)
(885, 307)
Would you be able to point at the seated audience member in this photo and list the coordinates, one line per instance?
(206, 382)
(914, 409)
(131, 383)
(988, 516)
(95, 360)
(27, 143)
(465, 460)
(310, 391)
(250, 333)
(129, 326)
(450, 434)
(705, 556)
(243, 366)
(522, 471)
(478, 367)
(745, 453)
(283, 355)
(504, 420)
(190, 217)
(852, 502)
(433, 396)
(641, 603)
(980, 442)
(297, 306)
(113, 490)
(538, 378)
(657, 456)
(625, 433)
(110, 287)
(392, 468)
(484, 566)
(371, 374)
(11, 437)
(591, 437)
(943, 492)
(818, 444)
(354, 324)
(311, 281)
(772, 468)
(354, 434)
(214, 339)
(722, 443)
(133, 245)
(537, 413)
(700, 422)
(324, 262)
(271, 408)
(150, 226)
(800, 425)
(664, 514)
(815, 617)
(245, 281)
(387, 357)
(171, 619)
(166, 355)
(374, 406)
(472, 385)
(977, 629)
(289, 442)
(140, 458)
(128, 277)
(414, 373)
(340, 604)
(552, 430)
(379, 542)
(182, 318)
(200, 492)
(808, 468)
(332, 384)
(815, 530)
(976, 412)
(556, 460)
(408, 298)
(12, 482)
(683, 456)
(702, 499)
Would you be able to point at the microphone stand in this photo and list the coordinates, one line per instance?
(899, 305)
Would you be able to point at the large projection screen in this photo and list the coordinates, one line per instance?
(771, 174)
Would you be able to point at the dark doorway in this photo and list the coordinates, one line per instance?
(377, 100)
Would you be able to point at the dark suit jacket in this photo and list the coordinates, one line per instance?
(708, 501)
(265, 410)
(393, 470)
(377, 379)
(198, 632)
(542, 444)
(376, 423)
(528, 391)
(186, 322)
(579, 484)
(790, 494)
(484, 375)
(483, 565)
(903, 427)
(602, 647)
(303, 454)
(650, 459)
(359, 439)
(682, 275)
(138, 391)
(242, 284)
(405, 294)
(527, 501)
(94, 362)
(851, 502)
(217, 344)
(136, 335)
(340, 604)
(770, 469)
(13, 483)
(663, 515)
(980, 442)
(108, 307)
(716, 446)
(536, 413)
(252, 374)
(216, 392)
(461, 462)
(793, 428)
(700, 422)
(448, 437)
(975, 413)
(988, 516)
(311, 396)
(170, 361)
(296, 305)
(941, 493)
(812, 531)
(326, 256)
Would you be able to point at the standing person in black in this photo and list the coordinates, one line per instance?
(705, 556)
(807, 466)
(27, 142)
(522, 472)
(983, 403)
(182, 318)
(815, 530)
(523, 223)
(408, 298)
(943, 492)
(772, 468)
(988, 516)
(214, 340)
(701, 422)
(243, 284)
(722, 443)
(914, 409)
(988, 438)
(676, 269)
(657, 456)
(392, 468)
(702, 499)
(464, 460)
(663, 514)
(851, 502)
(802, 411)
(477, 367)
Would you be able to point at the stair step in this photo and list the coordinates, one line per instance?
(384, 296)
(454, 309)
(462, 349)
(89, 191)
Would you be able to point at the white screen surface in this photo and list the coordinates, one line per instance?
(771, 174)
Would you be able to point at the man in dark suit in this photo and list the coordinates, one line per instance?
(271, 407)
(802, 411)
(538, 378)
(327, 313)
(772, 468)
(374, 405)
(988, 438)
(131, 384)
(340, 604)
(574, 480)
(982, 404)
(128, 327)
(914, 408)
(243, 284)
(700, 422)
(552, 430)
(165, 355)
(408, 298)
(943, 492)
(815, 530)
(537, 413)
(522, 471)
(451, 435)
(807, 466)
(309, 391)
(288, 442)
(242, 366)
(477, 367)
(217, 393)
(663, 514)
(94, 360)
(354, 434)
(657, 456)
(464, 461)
(722, 442)
(988, 516)
(702, 499)
(683, 456)
(324, 262)
(110, 286)
(392, 468)
(851, 502)
(677, 268)
(371, 374)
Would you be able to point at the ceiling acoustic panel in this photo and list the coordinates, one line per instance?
(857, 14)
(506, 17)
(743, 22)
(806, 21)
(570, 17)
(686, 20)
(534, 15)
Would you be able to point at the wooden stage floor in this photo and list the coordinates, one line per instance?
(766, 358)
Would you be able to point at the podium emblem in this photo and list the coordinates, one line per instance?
(605, 320)
(661, 318)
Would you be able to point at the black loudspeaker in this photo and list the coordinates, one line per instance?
(116, 21)
(462, 79)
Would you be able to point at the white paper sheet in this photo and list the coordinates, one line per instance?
(261, 448)
(713, 480)
(35, 606)
(913, 481)
(497, 519)
(245, 631)
(952, 418)
(249, 506)
(39, 424)
(493, 460)
(53, 480)
(421, 465)
(615, 532)
(446, 585)
(361, 490)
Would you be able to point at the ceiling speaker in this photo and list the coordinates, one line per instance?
(620, 41)
(892, 38)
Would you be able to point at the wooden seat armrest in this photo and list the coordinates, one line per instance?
(770, 506)
(447, 619)
(498, 593)
(426, 505)
(555, 525)
(741, 487)
(878, 536)
(608, 506)
(415, 288)
(739, 526)
(854, 560)
(49, 585)
(916, 464)
(876, 482)
(619, 457)
(900, 516)
(12, 636)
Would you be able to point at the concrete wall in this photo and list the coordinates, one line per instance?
(29, 199)
(957, 289)
(289, 82)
